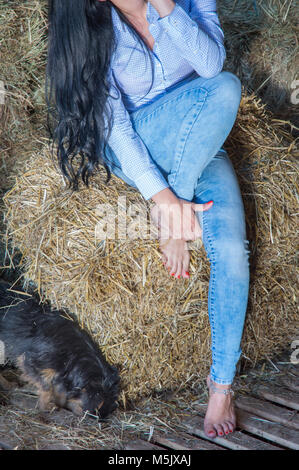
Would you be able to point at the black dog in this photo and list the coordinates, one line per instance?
(57, 356)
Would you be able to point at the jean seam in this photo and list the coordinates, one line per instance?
(212, 279)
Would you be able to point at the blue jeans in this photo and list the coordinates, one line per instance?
(184, 130)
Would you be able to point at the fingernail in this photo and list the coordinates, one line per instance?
(209, 202)
(220, 434)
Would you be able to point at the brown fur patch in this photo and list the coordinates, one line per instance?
(75, 406)
(45, 400)
(48, 375)
(5, 384)
(60, 397)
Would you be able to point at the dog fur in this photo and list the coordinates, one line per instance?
(57, 356)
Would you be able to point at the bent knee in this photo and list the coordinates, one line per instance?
(230, 88)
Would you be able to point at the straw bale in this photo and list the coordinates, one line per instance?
(261, 39)
(23, 45)
(154, 327)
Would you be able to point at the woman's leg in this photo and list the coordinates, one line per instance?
(183, 131)
(224, 238)
(184, 128)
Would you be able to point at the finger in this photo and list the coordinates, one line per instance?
(197, 229)
(202, 207)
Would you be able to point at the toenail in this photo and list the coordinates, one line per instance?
(172, 274)
(187, 273)
(220, 434)
(179, 276)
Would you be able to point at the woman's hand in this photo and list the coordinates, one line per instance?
(176, 217)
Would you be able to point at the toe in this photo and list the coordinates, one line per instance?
(168, 265)
(219, 430)
(173, 267)
(225, 427)
(186, 260)
(231, 426)
(178, 273)
(210, 431)
(164, 259)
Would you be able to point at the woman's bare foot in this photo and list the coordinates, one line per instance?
(175, 253)
(175, 257)
(220, 417)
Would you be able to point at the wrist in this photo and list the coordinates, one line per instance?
(165, 197)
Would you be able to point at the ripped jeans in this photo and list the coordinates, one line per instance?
(184, 131)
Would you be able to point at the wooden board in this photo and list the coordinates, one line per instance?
(292, 383)
(183, 441)
(274, 432)
(140, 444)
(268, 410)
(8, 439)
(236, 441)
(278, 394)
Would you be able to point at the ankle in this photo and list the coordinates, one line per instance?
(224, 389)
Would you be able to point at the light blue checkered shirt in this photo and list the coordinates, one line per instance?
(188, 39)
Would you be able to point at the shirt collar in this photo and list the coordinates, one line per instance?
(151, 15)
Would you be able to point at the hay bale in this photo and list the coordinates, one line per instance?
(23, 28)
(156, 327)
(261, 39)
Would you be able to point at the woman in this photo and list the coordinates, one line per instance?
(138, 87)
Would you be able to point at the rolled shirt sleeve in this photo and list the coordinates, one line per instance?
(198, 36)
(136, 162)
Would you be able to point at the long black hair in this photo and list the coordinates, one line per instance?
(81, 41)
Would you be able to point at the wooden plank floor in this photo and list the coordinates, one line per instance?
(267, 419)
